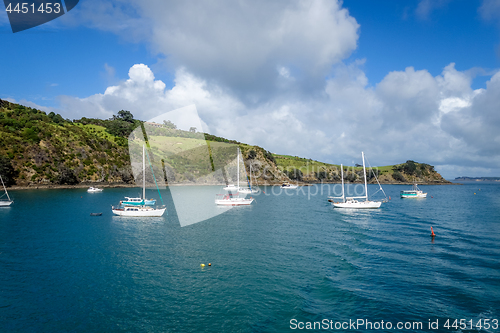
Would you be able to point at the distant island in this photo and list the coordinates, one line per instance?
(478, 179)
(40, 150)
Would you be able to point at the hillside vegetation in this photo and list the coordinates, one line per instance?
(308, 170)
(40, 148)
(37, 148)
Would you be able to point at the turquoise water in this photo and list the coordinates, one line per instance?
(286, 257)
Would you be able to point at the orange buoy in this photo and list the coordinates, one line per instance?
(209, 264)
(432, 233)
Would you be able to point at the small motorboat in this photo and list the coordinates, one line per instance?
(287, 185)
(94, 189)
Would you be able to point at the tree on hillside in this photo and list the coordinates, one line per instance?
(125, 116)
(294, 174)
(57, 118)
(67, 176)
(322, 174)
(120, 128)
(269, 156)
(7, 171)
(409, 167)
(396, 175)
(121, 125)
(252, 154)
(169, 124)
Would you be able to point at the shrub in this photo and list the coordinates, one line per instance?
(6, 170)
(396, 175)
(294, 174)
(409, 167)
(67, 176)
(322, 175)
(252, 154)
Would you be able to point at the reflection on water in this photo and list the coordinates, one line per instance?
(285, 256)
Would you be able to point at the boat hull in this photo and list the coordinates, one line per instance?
(234, 202)
(248, 191)
(413, 195)
(358, 204)
(139, 212)
(6, 203)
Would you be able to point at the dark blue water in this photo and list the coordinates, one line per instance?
(285, 257)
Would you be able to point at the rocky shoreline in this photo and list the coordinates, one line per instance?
(57, 186)
(126, 185)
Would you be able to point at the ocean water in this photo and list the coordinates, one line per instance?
(285, 262)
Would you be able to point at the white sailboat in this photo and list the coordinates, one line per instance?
(249, 189)
(233, 199)
(232, 187)
(140, 210)
(3, 202)
(352, 202)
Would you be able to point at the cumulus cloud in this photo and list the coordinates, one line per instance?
(273, 73)
(410, 114)
(425, 7)
(490, 10)
(239, 44)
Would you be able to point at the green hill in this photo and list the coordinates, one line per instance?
(37, 148)
(308, 170)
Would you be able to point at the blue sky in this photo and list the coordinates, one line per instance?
(394, 35)
(321, 79)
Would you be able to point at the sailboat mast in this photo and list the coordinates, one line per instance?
(5, 188)
(364, 172)
(249, 179)
(238, 169)
(143, 173)
(342, 176)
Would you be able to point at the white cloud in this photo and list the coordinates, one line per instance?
(239, 44)
(272, 73)
(392, 122)
(490, 10)
(425, 7)
(141, 91)
(453, 104)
